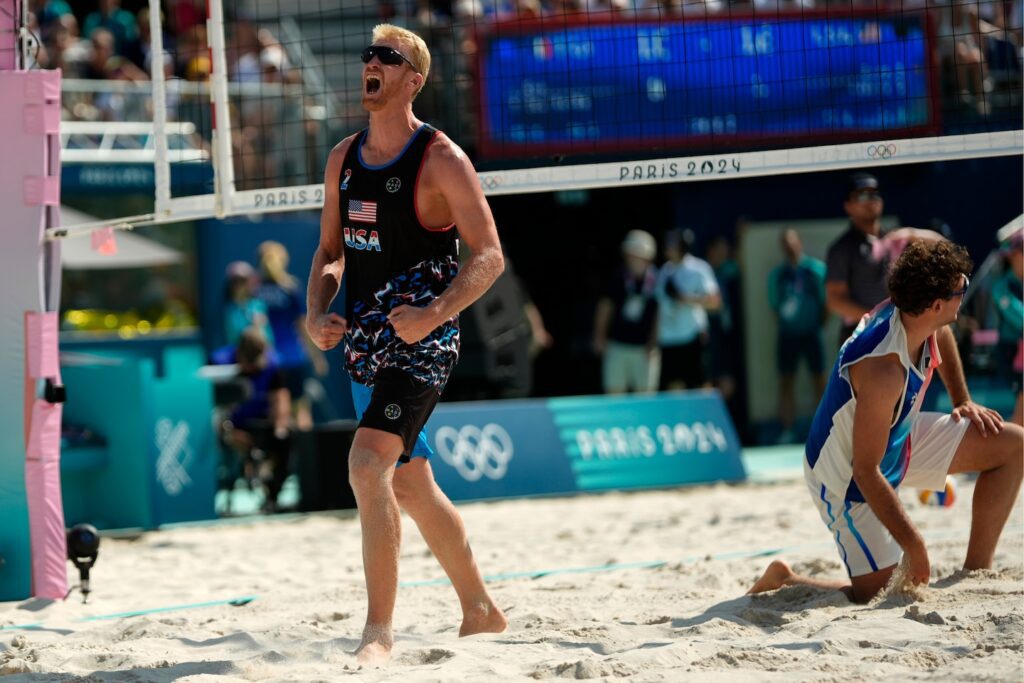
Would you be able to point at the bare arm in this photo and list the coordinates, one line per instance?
(709, 302)
(459, 188)
(837, 298)
(602, 319)
(877, 384)
(951, 371)
(326, 330)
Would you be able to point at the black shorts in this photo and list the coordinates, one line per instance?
(791, 348)
(684, 363)
(399, 404)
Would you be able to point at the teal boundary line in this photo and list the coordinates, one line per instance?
(530, 574)
(234, 602)
(692, 559)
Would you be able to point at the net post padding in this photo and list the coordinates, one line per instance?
(223, 164)
(161, 164)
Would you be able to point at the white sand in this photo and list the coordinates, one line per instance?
(685, 620)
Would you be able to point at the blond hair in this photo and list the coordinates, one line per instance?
(274, 264)
(413, 47)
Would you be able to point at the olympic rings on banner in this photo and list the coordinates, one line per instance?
(475, 452)
(884, 151)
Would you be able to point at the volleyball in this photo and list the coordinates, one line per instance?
(943, 499)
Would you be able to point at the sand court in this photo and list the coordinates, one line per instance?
(646, 586)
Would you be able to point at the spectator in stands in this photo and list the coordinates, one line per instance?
(565, 8)
(190, 45)
(283, 296)
(796, 293)
(241, 308)
(65, 48)
(687, 290)
(605, 9)
(141, 53)
(972, 71)
(1008, 302)
(855, 281)
(258, 428)
(660, 8)
(727, 360)
(188, 15)
(104, 62)
(49, 12)
(625, 324)
(1015, 21)
(121, 24)
(244, 52)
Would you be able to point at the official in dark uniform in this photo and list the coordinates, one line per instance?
(857, 265)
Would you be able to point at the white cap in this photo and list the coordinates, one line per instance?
(640, 243)
(272, 57)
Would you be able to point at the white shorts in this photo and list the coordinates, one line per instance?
(864, 544)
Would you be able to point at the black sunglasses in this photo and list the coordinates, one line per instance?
(386, 55)
(961, 291)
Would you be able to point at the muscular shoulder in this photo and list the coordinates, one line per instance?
(878, 376)
(337, 155)
(444, 156)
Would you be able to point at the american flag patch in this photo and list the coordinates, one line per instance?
(364, 212)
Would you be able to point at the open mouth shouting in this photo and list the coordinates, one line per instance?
(371, 84)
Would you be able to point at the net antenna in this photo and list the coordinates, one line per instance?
(508, 101)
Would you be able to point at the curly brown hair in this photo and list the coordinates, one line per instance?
(927, 270)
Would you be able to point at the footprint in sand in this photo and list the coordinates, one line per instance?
(434, 655)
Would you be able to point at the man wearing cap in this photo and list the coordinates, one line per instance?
(856, 270)
(687, 290)
(626, 317)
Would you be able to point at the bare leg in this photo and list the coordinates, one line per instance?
(443, 530)
(999, 458)
(1018, 411)
(860, 589)
(779, 574)
(371, 467)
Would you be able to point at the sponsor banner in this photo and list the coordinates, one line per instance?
(594, 443)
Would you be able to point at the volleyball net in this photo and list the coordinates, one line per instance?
(578, 95)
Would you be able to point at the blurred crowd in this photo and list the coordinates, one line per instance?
(276, 122)
(978, 45)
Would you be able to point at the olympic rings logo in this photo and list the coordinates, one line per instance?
(475, 452)
(490, 182)
(882, 151)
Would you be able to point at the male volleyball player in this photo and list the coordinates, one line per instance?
(869, 436)
(394, 194)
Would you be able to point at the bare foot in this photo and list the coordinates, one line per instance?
(483, 617)
(776, 576)
(375, 648)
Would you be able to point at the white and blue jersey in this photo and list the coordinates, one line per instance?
(829, 449)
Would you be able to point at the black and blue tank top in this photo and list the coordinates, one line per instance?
(391, 259)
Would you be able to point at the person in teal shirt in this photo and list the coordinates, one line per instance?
(241, 308)
(118, 21)
(1007, 300)
(796, 292)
